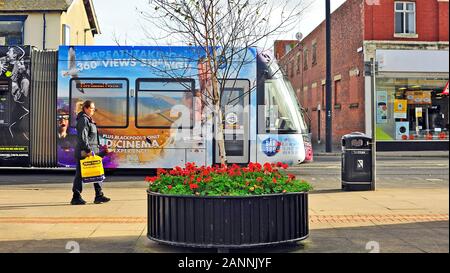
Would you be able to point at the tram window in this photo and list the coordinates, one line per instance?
(164, 103)
(109, 95)
(282, 109)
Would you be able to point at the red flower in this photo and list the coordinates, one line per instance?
(279, 164)
(235, 167)
(151, 180)
(193, 186)
(259, 179)
(199, 179)
(207, 179)
(274, 180)
(291, 176)
(161, 171)
(284, 166)
(268, 167)
(169, 187)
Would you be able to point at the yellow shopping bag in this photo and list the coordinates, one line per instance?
(92, 169)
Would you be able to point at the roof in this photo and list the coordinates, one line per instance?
(92, 16)
(50, 5)
(35, 5)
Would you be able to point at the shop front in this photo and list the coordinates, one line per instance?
(412, 110)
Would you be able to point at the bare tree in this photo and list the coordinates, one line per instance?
(222, 31)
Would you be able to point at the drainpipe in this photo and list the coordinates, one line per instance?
(44, 30)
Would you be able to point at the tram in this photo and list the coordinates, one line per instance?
(153, 104)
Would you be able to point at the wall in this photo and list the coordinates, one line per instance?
(443, 20)
(347, 65)
(280, 47)
(431, 21)
(34, 28)
(76, 18)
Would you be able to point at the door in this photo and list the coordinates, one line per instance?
(234, 102)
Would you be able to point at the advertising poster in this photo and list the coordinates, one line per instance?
(15, 88)
(410, 97)
(401, 130)
(382, 111)
(426, 97)
(140, 94)
(400, 108)
(418, 112)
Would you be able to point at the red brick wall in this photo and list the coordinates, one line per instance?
(352, 23)
(280, 47)
(431, 20)
(346, 38)
(443, 21)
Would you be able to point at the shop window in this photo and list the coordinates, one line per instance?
(109, 95)
(11, 30)
(165, 103)
(405, 17)
(412, 109)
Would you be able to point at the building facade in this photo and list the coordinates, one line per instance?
(408, 42)
(46, 24)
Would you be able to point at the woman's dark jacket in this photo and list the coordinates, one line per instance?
(87, 136)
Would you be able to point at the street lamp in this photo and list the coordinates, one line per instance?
(329, 128)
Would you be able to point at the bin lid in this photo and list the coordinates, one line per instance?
(356, 135)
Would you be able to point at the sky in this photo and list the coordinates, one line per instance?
(120, 20)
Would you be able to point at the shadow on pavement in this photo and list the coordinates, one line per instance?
(397, 238)
(325, 191)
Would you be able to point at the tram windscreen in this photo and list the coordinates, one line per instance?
(283, 112)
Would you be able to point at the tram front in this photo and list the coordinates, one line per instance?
(283, 134)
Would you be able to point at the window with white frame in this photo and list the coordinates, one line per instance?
(405, 17)
(66, 34)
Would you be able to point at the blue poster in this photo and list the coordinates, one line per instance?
(381, 108)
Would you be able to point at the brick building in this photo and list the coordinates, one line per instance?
(409, 42)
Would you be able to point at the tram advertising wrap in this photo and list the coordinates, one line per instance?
(136, 91)
(15, 88)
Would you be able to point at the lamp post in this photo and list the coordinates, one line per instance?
(329, 125)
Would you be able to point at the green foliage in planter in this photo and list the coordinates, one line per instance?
(254, 179)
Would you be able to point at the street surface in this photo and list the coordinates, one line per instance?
(407, 213)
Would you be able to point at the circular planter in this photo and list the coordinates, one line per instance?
(227, 221)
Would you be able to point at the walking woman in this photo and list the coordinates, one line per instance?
(87, 142)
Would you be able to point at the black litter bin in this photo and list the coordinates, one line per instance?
(356, 169)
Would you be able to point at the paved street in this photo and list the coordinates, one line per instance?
(407, 213)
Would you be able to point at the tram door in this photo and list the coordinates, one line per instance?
(235, 100)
